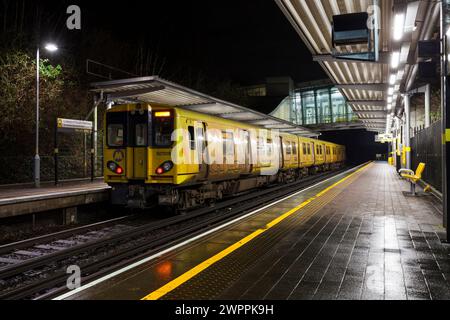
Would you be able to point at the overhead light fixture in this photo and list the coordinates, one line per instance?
(389, 100)
(392, 79)
(389, 106)
(395, 59)
(448, 32)
(391, 91)
(399, 26)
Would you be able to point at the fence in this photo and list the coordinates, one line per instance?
(427, 147)
(19, 169)
(74, 161)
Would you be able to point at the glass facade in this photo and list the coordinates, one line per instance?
(324, 105)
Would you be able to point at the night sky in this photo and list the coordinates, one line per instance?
(244, 41)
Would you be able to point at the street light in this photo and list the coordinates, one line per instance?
(37, 160)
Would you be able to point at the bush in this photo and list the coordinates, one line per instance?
(61, 95)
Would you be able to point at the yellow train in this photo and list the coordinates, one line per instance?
(156, 154)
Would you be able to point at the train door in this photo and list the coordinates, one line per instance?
(295, 153)
(314, 155)
(200, 138)
(246, 148)
(303, 154)
(139, 144)
(193, 165)
(281, 154)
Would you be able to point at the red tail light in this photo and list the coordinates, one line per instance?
(114, 167)
(165, 167)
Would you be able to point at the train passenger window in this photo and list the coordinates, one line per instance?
(288, 148)
(269, 147)
(201, 143)
(309, 148)
(115, 135)
(294, 148)
(228, 144)
(191, 137)
(304, 148)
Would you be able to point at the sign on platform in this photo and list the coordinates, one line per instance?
(77, 125)
(384, 137)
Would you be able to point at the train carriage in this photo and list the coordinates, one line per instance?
(156, 154)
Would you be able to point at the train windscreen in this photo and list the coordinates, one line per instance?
(163, 126)
(116, 129)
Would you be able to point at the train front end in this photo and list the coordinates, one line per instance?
(137, 153)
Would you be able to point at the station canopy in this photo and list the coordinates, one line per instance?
(372, 88)
(156, 90)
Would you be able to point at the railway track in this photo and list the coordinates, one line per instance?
(37, 267)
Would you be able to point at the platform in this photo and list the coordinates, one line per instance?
(355, 236)
(18, 200)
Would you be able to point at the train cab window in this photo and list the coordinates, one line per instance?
(141, 135)
(116, 135)
(191, 137)
(163, 125)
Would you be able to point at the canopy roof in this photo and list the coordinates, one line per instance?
(156, 90)
(365, 84)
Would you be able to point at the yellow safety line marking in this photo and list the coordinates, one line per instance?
(172, 285)
(447, 135)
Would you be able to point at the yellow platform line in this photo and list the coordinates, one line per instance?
(172, 285)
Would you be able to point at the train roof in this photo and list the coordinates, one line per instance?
(157, 90)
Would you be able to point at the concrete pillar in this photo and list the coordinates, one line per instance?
(407, 130)
(427, 105)
(394, 148)
(95, 143)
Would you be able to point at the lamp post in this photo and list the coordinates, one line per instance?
(37, 160)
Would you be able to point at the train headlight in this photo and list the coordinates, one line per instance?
(165, 167)
(114, 167)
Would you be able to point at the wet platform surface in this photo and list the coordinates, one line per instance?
(356, 238)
